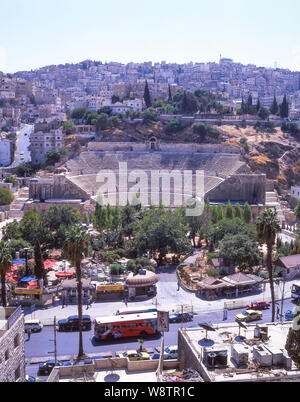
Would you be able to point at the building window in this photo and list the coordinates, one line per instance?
(17, 341)
(6, 355)
(17, 374)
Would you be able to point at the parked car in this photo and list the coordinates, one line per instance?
(33, 325)
(47, 367)
(72, 323)
(133, 355)
(170, 352)
(30, 378)
(289, 315)
(180, 317)
(249, 315)
(259, 305)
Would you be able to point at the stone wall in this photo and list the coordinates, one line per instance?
(241, 187)
(163, 147)
(57, 186)
(16, 354)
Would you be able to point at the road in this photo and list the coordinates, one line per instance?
(41, 344)
(22, 152)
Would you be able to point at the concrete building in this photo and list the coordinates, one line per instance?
(43, 142)
(12, 345)
(229, 353)
(5, 152)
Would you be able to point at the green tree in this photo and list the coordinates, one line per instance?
(147, 97)
(274, 107)
(75, 248)
(6, 196)
(258, 105)
(292, 345)
(201, 129)
(247, 213)
(214, 214)
(102, 122)
(5, 265)
(99, 217)
(297, 210)
(268, 227)
(170, 97)
(173, 126)
(52, 157)
(67, 127)
(284, 109)
(11, 231)
(220, 212)
(237, 211)
(240, 250)
(229, 211)
(161, 232)
(39, 268)
(263, 113)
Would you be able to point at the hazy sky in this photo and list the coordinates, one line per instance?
(35, 33)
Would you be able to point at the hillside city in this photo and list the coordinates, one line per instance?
(149, 223)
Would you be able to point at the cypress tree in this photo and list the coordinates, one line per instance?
(185, 103)
(243, 107)
(39, 269)
(247, 213)
(170, 98)
(214, 214)
(147, 96)
(274, 107)
(237, 211)
(116, 220)
(249, 104)
(284, 110)
(258, 105)
(220, 212)
(229, 211)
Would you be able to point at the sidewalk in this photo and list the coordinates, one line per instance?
(166, 301)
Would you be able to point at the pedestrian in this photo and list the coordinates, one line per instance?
(63, 302)
(225, 314)
(278, 312)
(125, 301)
(29, 334)
(178, 286)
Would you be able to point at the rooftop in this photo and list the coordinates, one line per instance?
(263, 358)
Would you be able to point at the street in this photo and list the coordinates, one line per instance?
(42, 344)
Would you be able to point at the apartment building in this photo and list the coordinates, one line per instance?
(44, 142)
(12, 345)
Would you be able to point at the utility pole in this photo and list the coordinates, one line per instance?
(282, 299)
(55, 349)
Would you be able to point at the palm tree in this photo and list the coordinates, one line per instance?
(268, 226)
(5, 265)
(75, 247)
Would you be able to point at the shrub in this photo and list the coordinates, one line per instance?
(173, 126)
(212, 272)
(116, 269)
(6, 196)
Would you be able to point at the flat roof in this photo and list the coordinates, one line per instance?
(226, 336)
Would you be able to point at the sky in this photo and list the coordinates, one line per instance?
(36, 33)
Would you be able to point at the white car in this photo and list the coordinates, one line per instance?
(33, 325)
(171, 352)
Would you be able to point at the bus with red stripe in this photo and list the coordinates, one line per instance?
(123, 326)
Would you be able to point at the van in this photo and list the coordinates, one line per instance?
(33, 325)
